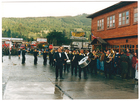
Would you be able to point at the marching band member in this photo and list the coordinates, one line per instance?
(59, 58)
(35, 56)
(88, 53)
(93, 64)
(45, 57)
(23, 55)
(107, 63)
(74, 62)
(66, 66)
(82, 55)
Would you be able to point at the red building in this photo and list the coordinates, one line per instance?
(116, 27)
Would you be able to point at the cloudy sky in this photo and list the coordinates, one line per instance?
(42, 8)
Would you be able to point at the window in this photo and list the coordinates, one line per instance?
(111, 21)
(135, 15)
(114, 47)
(100, 24)
(124, 18)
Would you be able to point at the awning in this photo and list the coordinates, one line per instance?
(98, 41)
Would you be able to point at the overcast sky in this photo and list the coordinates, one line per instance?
(36, 8)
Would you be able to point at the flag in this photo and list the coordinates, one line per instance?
(93, 36)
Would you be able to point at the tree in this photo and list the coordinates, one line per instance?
(9, 33)
(4, 33)
(57, 38)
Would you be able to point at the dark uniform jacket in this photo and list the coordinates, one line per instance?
(23, 52)
(81, 56)
(59, 60)
(45, 54)
(74, 58)
(35, 54)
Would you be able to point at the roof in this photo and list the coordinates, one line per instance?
(111, 8)
(101, 41)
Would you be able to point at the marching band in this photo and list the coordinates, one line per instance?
(76, 61)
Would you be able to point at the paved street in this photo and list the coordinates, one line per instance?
(37, 82)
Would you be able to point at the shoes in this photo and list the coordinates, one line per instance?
(61, 78)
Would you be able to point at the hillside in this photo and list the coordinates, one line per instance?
(40, 26)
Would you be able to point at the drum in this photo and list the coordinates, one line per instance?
(84, 62)
(68, 62)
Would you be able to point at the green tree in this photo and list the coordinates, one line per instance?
(57, 38)
(9, 33)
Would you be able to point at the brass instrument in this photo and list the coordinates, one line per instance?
(111, 56)
(95, 55)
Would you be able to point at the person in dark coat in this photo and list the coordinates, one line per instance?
(81, 56)
(88, 53)
(93, 64)
(35, 56)
(59, 58)
(124, 64)
(74, 62)
(45, 53)
(23, 55)
(66, 66)
(107, 64)
(116, 62)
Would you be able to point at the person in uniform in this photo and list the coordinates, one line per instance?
(35, 56)
(107, 64)
(23, 55)
(124, 64)
(45, 53)
(74, 62)
(66, 66)
(81, 56)
(59, 58)
(89, 54)
(53, 57)
(93, 64)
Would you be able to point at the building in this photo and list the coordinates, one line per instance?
(116, 27)
(17, 40)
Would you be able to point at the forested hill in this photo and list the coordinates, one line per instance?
(40, 26)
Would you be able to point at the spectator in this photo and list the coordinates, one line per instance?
(134, 64)
(136, 72)
(130, 65)
(102, 61)
(116, 62)
(124, 64)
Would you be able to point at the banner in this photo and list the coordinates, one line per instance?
(78, 34)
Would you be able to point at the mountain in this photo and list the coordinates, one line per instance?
(40, 26)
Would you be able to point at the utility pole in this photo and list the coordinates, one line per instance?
(82, 43)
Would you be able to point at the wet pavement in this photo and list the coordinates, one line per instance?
(37, 82)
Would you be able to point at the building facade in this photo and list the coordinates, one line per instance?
(117, 25)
